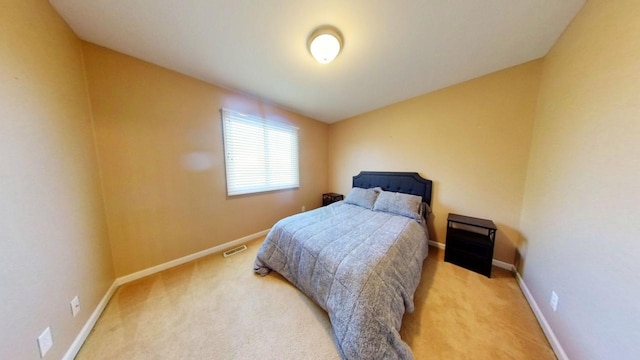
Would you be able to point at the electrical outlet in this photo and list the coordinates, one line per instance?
(303, 209)
(75, 306)
(45, 341)
(554, 301)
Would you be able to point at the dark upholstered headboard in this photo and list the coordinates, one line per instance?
(404, 182)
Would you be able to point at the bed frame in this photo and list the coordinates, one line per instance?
(404, 182)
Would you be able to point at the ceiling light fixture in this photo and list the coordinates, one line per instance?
(325, 43)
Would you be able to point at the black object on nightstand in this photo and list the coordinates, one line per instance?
(469, 249)
(330, 198)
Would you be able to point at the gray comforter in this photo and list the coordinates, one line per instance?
(361, 266)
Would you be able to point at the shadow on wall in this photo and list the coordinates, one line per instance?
(513, 237)
(431, 229)
(521, 252)
(431, 226)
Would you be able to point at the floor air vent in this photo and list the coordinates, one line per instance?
(234, 251)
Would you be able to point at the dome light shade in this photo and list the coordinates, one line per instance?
(325, 44)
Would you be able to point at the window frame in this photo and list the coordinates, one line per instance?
(266, 147)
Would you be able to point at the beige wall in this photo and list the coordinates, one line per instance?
(581, 214)
(471, 139)
(149, 122)
(53, 238)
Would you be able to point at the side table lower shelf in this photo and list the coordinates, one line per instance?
(466, 249)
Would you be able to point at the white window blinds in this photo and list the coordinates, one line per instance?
(260, 155)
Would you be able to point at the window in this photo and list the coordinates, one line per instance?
(260, 155)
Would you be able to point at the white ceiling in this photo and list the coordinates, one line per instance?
(393, 49)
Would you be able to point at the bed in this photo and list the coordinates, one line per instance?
(359, 259)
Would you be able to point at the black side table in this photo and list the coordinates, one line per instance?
(330, 198)
(469, 249)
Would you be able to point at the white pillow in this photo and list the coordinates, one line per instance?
(361, 197)
(399, 204)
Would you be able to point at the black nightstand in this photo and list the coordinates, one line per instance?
(330, 198)
(469, 249)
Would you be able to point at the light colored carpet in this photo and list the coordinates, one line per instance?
(216, 308)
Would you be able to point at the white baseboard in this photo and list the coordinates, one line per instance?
(91, 322)
(551, 336)
(498, 263)
(185, 259)
(503, 265)
(436, 244)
